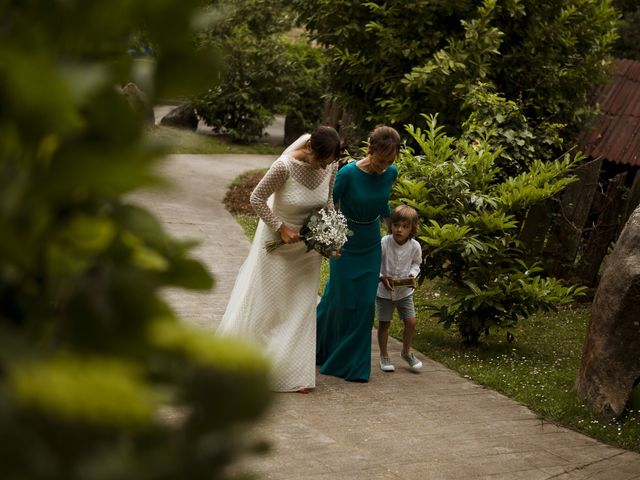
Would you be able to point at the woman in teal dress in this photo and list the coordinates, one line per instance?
(346, 311)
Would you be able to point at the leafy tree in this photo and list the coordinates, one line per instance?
(469, 229)
(308, 83)
(628, 45)
(98, 378)
(503, 125)
(264, 71)
(391, 60)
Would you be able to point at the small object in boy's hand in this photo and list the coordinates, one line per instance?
(403, 282)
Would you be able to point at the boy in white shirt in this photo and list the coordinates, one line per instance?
(401, 259)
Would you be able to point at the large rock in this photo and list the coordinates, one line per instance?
(611, 355)
(183, 116)
(139, 102)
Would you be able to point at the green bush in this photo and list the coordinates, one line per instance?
(503, 125)
(251, 88)
(98, 378)
(469, 228)
(264, 71)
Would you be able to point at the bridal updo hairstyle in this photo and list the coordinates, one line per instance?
(384, 141)
(325, 144)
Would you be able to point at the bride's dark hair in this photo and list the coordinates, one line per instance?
(325, 143)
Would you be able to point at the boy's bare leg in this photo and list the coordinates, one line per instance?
(407, 336)
(383, 337)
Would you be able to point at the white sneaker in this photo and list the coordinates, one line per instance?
(413, 362)
(386, 365)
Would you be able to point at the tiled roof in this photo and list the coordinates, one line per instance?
(615, 133)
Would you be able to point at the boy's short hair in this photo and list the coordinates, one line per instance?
(408, 214)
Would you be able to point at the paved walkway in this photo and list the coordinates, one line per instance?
(428, 425)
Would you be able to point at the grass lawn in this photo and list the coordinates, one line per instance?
(248, 223)
(537, 369)
(186, 141)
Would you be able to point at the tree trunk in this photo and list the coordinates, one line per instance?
(564, 238)
(535, 228)
(332, 114)
(603, 234)
(293, 128)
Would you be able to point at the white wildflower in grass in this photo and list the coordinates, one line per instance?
(324, 231)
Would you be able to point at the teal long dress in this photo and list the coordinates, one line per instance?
(346, 311)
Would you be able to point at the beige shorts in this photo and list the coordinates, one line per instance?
(386, 306)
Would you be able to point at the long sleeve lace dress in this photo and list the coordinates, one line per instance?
(273, 302)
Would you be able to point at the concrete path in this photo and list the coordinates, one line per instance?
(404, 425)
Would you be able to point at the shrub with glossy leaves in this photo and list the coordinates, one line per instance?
(469, 229)
(98, 378)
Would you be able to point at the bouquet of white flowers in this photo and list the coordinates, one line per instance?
(324, 231)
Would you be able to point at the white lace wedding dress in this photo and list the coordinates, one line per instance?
(274, 299)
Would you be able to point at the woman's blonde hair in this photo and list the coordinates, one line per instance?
(407, 214)
(384, 140)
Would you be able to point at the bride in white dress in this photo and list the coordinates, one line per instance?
(274, 299)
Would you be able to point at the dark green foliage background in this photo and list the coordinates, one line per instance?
(628, 45)
(391, 61)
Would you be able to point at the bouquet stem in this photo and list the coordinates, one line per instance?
(272, 245)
